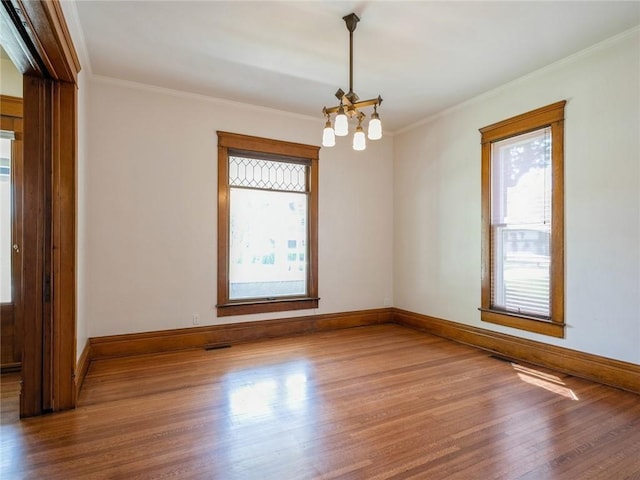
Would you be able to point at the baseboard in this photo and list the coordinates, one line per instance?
(82, 366)
(604, 370)
(199, 337)
(584, 365)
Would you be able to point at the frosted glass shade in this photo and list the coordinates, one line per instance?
(375, 128)
(341, 125)
(359, 142)
(328, 136)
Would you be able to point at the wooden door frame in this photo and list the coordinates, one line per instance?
(35, 35)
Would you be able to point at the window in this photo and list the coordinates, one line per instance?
(523, 221)
(267, 225)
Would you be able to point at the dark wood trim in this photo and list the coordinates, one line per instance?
(40, 46)
(63, 213)
(522, 322)
(524, 122)
(199, 337)
(266, 145)
(47, 30)
(604, 370)
(242, 308)
(82, 367)
(36, 152)
(11, 106)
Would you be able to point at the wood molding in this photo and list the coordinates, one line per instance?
(199, 337)
(36, 191)
(11, 106)
(82, 367)
(604, 370)
(39, 44)
(63, 241)
(45, 27)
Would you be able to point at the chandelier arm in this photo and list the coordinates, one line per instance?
(357, 105)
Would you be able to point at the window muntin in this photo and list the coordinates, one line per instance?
(267, 225)
(523, 221)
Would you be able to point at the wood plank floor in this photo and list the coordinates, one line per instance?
(376, 402)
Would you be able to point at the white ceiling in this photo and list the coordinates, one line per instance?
(421, 57)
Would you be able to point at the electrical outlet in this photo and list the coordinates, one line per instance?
(195, 318)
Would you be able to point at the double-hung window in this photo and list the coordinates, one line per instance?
(522, 221)
(267, 225)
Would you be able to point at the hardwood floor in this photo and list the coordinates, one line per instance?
(376, 402)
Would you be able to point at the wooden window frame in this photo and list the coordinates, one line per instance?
(550, 116)
(233, 141)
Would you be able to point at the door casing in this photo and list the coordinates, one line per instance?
(35, 35)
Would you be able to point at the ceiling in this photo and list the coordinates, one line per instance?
(421, 57)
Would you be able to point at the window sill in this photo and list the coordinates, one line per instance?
(266, 306)
(530, 324)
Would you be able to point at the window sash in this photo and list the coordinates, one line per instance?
(521, 223)
(260, 263)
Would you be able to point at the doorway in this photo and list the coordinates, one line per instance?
(11, 167)
(35, 37)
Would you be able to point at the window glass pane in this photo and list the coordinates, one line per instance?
(5, 220)
(521, 223)
(257, 173)
(268, 238)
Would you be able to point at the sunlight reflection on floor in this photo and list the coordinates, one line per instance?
(264, 397)
(547, 381)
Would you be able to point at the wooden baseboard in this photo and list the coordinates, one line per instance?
(592, 367)
(584, 365)
(82, 367)
(199, 337)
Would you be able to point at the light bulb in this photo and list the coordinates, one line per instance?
(375, 127)
(359, 141)
(328, 136)
(341, 127)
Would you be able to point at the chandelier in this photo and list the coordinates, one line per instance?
(350, 105)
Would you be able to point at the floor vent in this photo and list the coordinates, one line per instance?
(217, 346)
(502, 359)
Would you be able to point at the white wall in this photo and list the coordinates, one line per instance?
(150, 192)
(437, 200)
(82, 333)
(71, 17)
(10, 79)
